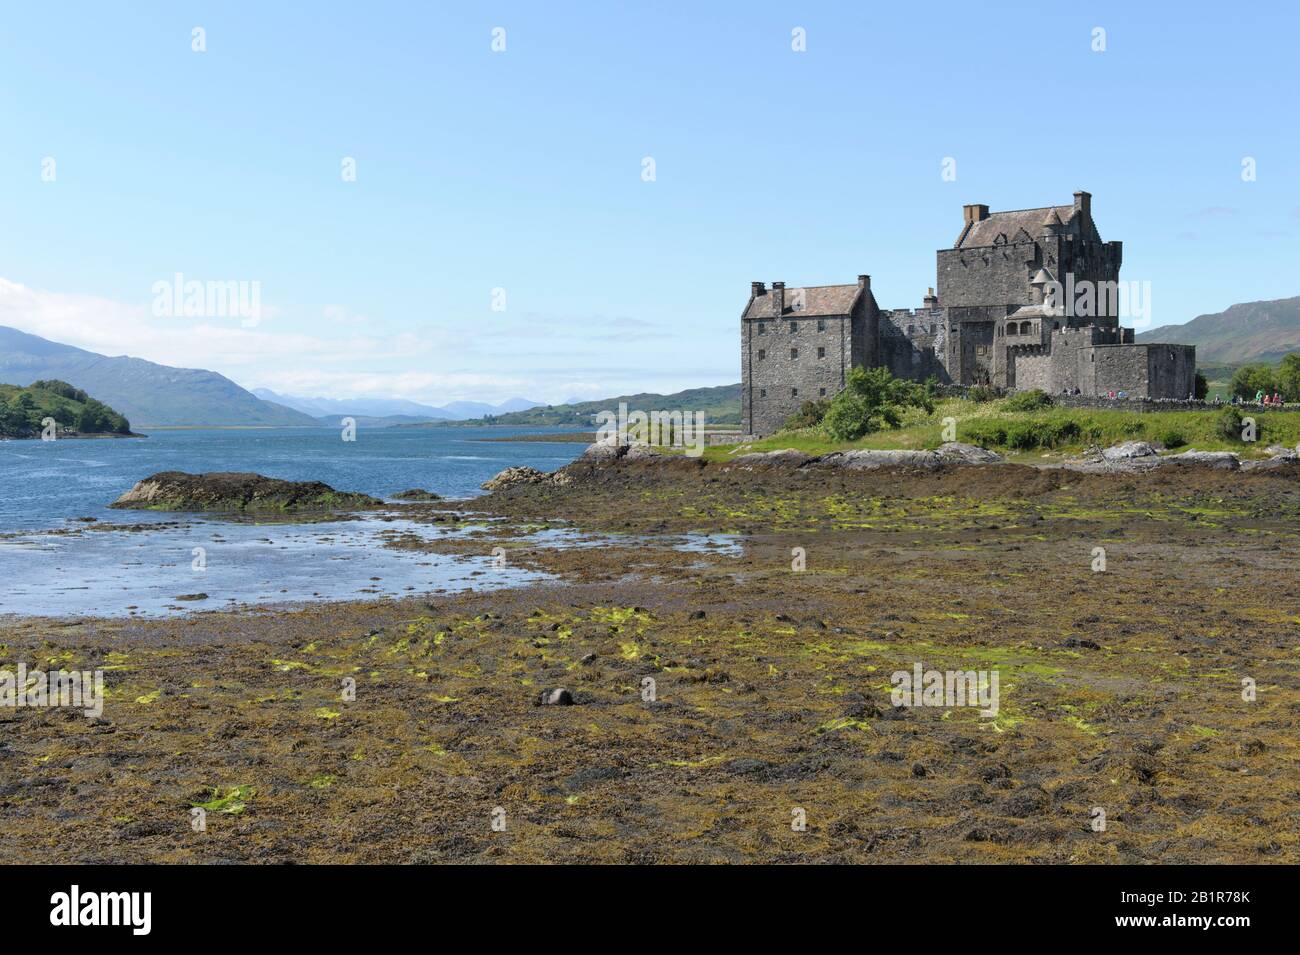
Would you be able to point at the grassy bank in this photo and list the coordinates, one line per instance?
(1048, 430)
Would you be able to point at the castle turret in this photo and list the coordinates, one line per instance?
(931, 300)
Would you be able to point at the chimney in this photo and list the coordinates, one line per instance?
(756, 289)
(974, 213)
(931, 300)
(1083, 203)
(864, 282)
(778, 298)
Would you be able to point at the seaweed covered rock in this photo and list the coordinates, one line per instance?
(512, 476)
(417, 494)
(237, 491)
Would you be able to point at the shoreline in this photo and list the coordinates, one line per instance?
(771, 684)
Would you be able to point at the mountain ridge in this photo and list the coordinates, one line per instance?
(149, 394)
(1260, 331)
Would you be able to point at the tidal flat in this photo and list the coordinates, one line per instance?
(1123, 690)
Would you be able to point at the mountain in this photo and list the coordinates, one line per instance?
(147, 393)
(1253, 331)
(720, 404)
(377, 421)
(353, 407)
(393, 407)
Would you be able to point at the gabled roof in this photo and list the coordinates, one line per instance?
(813, 299)
(1010, 224)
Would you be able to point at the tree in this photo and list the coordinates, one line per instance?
(1202, 386)
(871, 400)
(1249, 380)
(1288, 377)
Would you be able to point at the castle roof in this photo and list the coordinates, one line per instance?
(1010, 224)
(811, 300)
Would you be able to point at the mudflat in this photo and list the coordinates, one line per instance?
(1148, 710)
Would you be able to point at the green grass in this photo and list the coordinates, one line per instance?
(1033, 433)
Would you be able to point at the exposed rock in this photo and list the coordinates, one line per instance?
(1281, 452)
(762, 460)
(640, 452)
(954, 452)
(417, 494)
(556, 697)
(1128, 449)
(512, 476)
(237, 491)
(876, 460)
(603, 451)
(1217, 460)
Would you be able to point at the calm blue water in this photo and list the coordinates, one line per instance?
(86, 570)
(45, 483)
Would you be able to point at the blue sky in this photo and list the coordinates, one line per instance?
(522, 170)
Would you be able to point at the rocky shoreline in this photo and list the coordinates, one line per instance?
(237, 491)
(661, 703)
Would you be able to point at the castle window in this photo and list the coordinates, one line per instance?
(821, 392)
(794, 353)
(1024, 328)
(911, 330)
(761, 329)
(933, 329)
(821, 324)
(794, 392)
(1011, 328)
(821, 353)
(794, 327)
(762, 353)
(762, 392)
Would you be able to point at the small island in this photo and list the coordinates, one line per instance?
(25, 413)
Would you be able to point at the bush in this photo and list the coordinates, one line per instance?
(872, 400)
(1171, 438)
(1033, 400)
(985, 434)
(810, 415)
(1202, 386)
(1227, 424)
(981, 394)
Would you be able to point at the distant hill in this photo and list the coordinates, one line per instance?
(720, 404)
(392, 407)
(377, 421)
(22, 411)
(147, 393)
(1252, 331)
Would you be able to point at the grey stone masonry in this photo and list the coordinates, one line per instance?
(1026, 299)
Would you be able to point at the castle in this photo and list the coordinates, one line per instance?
(1027, 299)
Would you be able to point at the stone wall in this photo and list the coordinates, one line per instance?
(788, 361)
(992, 275)
(910, 342)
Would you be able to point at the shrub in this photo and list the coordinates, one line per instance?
(1171, 438)
(872, 400)
(1033, 400)
(810, 415)
(981, 394)
(1227, 424)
